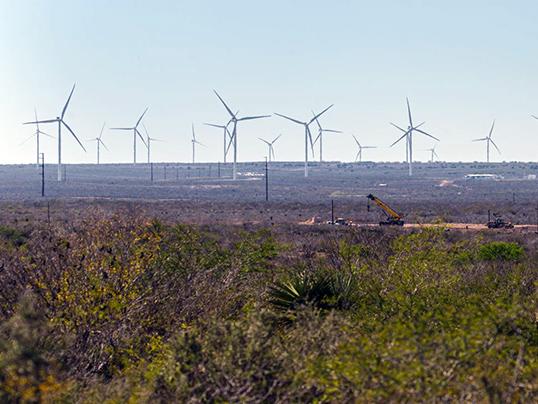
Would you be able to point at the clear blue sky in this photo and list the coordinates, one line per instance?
(461, 63)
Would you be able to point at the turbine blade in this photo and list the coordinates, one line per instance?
(409, 112)
(425, 133)
(316, 119)
(44, 133)
(99, 140)
(273, 152)
(37, 120)
(332, 131)
(141, 137)
(102, 129)
(223, 103)
(276, 138)
(493, 143)
(73, 133)
(357, 156)
(356, 141)
(491, 130)
(215, 126)
(141, 116)
(534, 116)
(265, 141)
(27, 139)
(321, 113)
(67, 103)
(481, 139)
(193, 134)
(397, 127)
(404, 135)
(248, 118)
(46, 121)
(290, 119)
(121, 128)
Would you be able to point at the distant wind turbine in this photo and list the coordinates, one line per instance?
(38, 132)
(488, 140)
(408, 135)
(271, 152)
(433, 154)
(135, 133)
(321, 131)
(194, 143)
(234, 119)
(307, 134)
(227, 136)
(99, 142)
(149, 140)
(60, 121)
(359, 153)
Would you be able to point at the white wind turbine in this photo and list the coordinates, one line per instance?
(408, 135)
(135, 133)
(99, 142)
(359, 153)
(60, 121)
(194, 143)
(433, 154)
(227, 136)
(234, 119)
(321, 131)
(149, 140)
(307, 134)
(38, 132)
(271, 152)
(488, 140)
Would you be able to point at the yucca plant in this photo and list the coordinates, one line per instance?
(321, 289)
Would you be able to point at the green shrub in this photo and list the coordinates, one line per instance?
(13, 236)
(500, 251)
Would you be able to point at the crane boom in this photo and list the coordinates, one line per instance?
(393, 217)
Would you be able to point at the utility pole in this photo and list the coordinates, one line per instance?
(165, 172)
(177, 173)
(151, 171)
(42, 156)
(332, 211)
(266, 180)
(218, 169)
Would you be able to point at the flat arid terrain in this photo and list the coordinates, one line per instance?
(438, 192)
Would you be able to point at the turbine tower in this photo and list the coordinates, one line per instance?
(227, 136)
(99, 142)
(321, 131)
(488, 140)
(234, 119)
(307, 134)
(60, 121)
(271, 152)
(359, 153)
(38, 132)
(194, 143)
(149, 140)
(408, 135)
(135, 133)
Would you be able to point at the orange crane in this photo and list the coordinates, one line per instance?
(393, 217)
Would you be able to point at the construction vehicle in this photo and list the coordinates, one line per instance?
(393, 217)
(498, 222)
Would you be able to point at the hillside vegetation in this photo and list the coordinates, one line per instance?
(122, 308)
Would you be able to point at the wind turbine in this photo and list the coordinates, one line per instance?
(149, 140)
(271, 152)
(488, 140)
(359, 153)
(99, 142)
(226, 136)
(60, 121)
(320, 137)
(194, 143)
(433, 153)
(408, 135)
(135, 132)
(307, 134)
(234, 119)
(37, 133)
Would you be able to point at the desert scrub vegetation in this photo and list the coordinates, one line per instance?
(121, 308)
